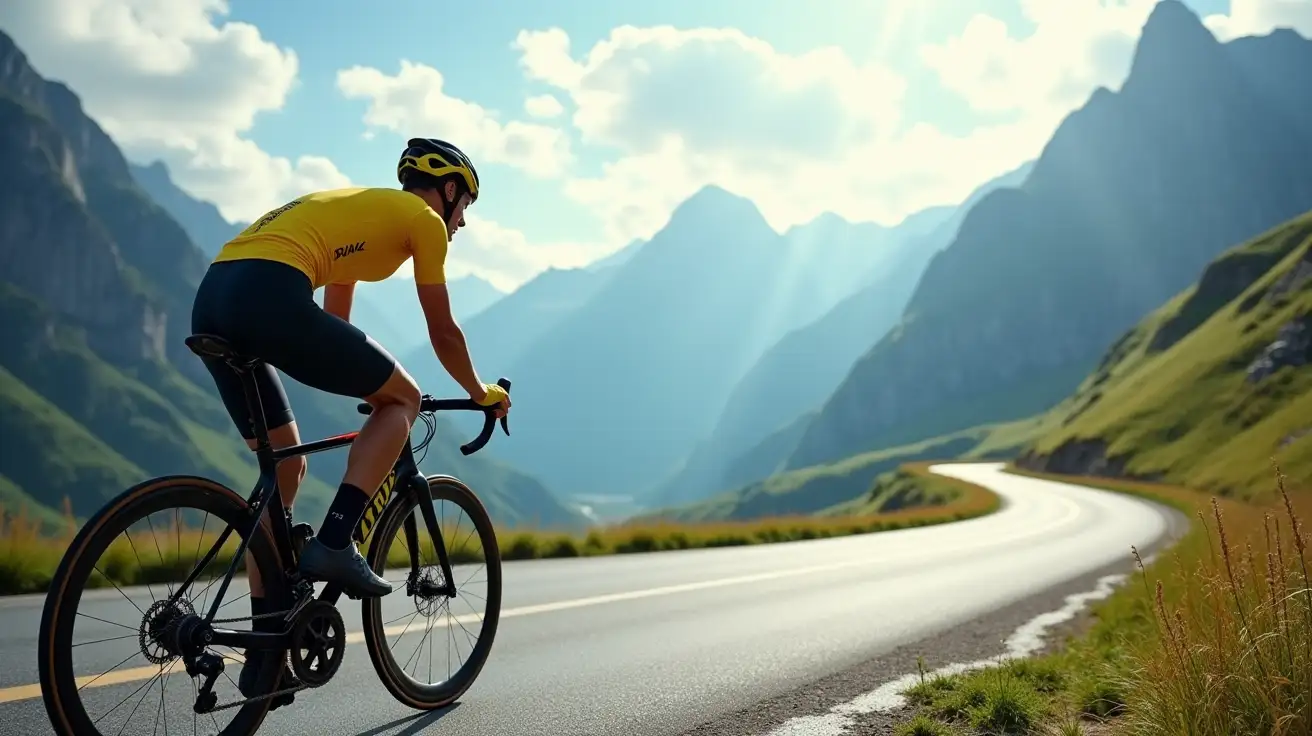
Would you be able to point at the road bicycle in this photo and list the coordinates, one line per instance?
(308, 635)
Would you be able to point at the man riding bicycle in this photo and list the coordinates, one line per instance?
(258, 294)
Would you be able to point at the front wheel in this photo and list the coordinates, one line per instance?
(418, 613)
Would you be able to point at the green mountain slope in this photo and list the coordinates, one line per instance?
(1209, 388)
(848, 484)
(96, 282)
(1134, 194)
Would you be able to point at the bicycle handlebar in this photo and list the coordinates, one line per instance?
(429, 403)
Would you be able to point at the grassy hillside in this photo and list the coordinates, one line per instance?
(1209, 388)
(853, 484)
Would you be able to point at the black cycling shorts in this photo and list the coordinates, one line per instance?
(266, 309)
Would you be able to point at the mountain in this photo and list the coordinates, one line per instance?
(760, 424)
(204, 224)
(1210, 387)
(97, 388)
(618, 258)
(500, 334)
(1133, 195)
(668, 333)
(389, 311)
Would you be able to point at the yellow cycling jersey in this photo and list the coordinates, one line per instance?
(347, 235)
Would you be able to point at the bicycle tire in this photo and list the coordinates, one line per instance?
(59, 689)
(393, 676)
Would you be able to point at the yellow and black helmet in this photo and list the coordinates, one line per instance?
(437, 159)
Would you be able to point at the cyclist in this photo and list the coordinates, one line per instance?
(258, 294)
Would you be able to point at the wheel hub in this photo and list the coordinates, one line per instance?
(158, 634)
(318, 643)
(429, 591)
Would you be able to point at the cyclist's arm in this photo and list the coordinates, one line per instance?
(428, 241)
(337, 299)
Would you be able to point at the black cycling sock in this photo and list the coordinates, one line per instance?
(342, 516)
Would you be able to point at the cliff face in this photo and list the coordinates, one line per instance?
(52, 248)
(1131, 198)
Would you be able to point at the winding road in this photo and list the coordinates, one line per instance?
(655, 644)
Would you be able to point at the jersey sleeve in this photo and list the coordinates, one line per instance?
(428, 244)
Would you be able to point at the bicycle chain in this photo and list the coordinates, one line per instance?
(257, 698)
(290, 613)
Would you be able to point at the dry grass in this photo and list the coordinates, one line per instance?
(29, 555)
(1233, 652)
(30, 552)
(1213, 638)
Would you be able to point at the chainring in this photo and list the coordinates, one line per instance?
(318, 643)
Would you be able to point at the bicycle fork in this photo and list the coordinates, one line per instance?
(417, 585)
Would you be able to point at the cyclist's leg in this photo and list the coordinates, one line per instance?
(212, 313)
(358, 364)
(282, 433)
(381, 439)
(324, 352)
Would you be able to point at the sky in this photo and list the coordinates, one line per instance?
(590, 122)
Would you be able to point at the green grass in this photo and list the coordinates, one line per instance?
(1213, 637)
(29, 554)
(1171, 398)
(849, 483)
(908, 487)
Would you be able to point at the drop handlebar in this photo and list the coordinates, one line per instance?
(431, 404)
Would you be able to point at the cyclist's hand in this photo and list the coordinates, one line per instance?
(494, 394)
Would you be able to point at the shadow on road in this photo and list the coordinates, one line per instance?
(413, 724)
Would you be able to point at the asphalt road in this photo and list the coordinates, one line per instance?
(655, 644)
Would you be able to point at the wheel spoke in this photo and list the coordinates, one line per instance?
(121, 691)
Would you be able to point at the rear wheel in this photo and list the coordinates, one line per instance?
(415, 673)
(138, 549)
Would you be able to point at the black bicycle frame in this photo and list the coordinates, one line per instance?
(404, 471)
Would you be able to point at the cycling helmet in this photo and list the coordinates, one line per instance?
(437, 159)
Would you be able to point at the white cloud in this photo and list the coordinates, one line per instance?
(1258, 17)
(804, 133)
(167, 83)
(715, 89)
(412, 102)
(691, 107)
(1076, 46)
(543, 106)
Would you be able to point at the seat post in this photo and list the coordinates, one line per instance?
(254, 409)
